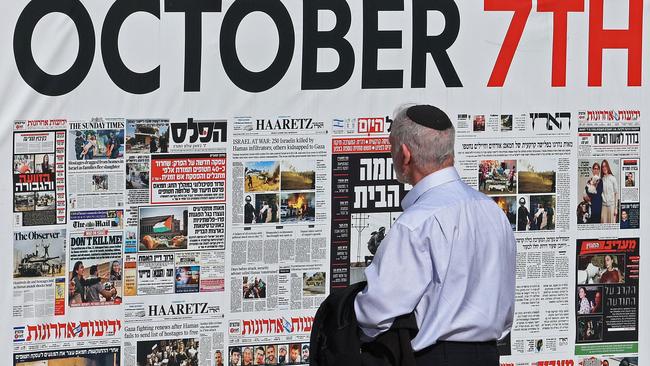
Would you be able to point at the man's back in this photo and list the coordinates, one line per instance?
(454, 249)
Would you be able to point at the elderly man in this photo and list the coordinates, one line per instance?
(450, 256)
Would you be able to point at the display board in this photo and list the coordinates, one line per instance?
(187, 180)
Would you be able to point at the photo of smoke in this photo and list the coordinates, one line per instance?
(147, 136)
(537, 175)
(298, 175)
(39, 254)
(262, 176)
(181, 352)
(298, 207)
(313, 283)
(367, 232)
(509, 206)
(163, 228)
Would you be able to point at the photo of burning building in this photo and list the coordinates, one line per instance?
(297, 207)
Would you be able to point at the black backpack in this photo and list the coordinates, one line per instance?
(335, 335)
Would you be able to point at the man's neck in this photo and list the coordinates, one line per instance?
(419, 174)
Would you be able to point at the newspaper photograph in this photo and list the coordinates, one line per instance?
(278, 258)
(104, 356)
(39, 272)
(96, 163)
(180, 332)
(607, 295)
(39, 179)
(608, 169)
(281, 339)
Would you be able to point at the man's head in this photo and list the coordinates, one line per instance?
(93, 270)
(294, 353)
(422, 142)
(218, 358)
(247, 356)
(235, 354)
(270, 354)
(259, 356)
(305, 353)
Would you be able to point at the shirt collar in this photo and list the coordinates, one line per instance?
(432, 180)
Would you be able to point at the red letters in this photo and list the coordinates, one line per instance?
(522, 10)
(600, 39)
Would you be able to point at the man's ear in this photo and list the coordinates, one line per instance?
(407, 154)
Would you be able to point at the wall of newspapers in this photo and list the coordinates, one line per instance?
(191, 179)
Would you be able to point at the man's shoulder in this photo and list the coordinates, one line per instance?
(443, 202)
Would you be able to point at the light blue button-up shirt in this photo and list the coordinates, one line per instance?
(450, 256)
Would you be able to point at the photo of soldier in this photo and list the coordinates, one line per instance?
(368, 231)
(39, 257)
(261, 176)
(250, 216)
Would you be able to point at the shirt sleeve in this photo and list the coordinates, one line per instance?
(397, 278)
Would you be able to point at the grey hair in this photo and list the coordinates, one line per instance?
(430, 148)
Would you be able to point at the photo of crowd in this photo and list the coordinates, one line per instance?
(168, 352)
(598, 192)
(270, 354)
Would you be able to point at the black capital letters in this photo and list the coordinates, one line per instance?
(373, 40)
(33, 75)
(242, 77)
(193, 10)
(435, 45)
(312, 40)
(122, 76)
